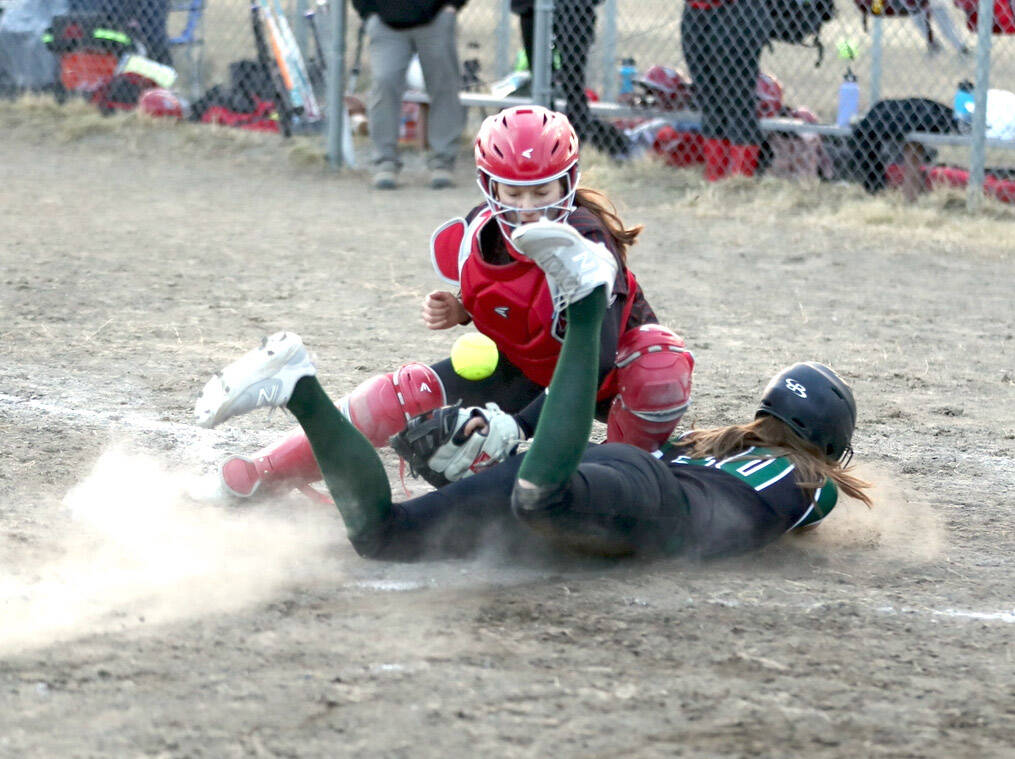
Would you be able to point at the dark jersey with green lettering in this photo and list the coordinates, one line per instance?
(756, 489)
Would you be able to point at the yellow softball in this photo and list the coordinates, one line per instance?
(474, 356)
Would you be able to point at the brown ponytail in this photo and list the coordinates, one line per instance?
(600, 205)
(768, 432)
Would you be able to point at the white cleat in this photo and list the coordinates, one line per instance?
(263, 378)
(574, 264)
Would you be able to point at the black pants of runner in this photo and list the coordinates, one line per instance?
(621, 500)
(722, 47)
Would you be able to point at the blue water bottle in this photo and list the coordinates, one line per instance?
(627, 73)
(849, 99)
(963, 104)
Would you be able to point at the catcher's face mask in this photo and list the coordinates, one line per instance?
(515, 204)
(520, 152)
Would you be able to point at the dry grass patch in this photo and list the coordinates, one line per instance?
(938, 217)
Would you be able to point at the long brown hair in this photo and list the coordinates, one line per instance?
(603, 208)
(768, 432)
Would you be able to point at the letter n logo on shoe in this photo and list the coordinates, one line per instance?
(266, 395)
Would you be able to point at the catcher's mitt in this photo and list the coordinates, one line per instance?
(436, 448)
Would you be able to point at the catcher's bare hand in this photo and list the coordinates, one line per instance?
(442, 310)
(475, 424)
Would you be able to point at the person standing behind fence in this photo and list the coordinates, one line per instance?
(722, 42)
(938, 11)
(396, 29)
(574, 31)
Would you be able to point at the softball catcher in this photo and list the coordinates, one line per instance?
(527, 162)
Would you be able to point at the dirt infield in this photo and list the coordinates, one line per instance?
(138, 621)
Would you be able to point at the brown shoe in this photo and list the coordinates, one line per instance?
(441, 178)
(385, 179)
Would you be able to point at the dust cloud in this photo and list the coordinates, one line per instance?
(899, 526)
(141, 552)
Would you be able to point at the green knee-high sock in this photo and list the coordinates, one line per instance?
(562, 432)
(351, 467)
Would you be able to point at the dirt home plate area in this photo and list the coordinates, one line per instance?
(141, 618)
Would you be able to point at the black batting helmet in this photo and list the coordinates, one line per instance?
(816, 404)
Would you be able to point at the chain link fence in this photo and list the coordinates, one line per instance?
(643, 64)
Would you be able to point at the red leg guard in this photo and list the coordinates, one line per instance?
(288, 464)
(716, 154)
(654, 380)
(743, 160)
(380, 406)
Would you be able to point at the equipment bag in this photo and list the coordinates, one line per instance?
(74, 32)
(248, 101)
(235, 108)
(121, 93)
(997, 183)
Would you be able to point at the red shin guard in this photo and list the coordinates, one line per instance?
(379, 407)
(654, 379)
(287, 464)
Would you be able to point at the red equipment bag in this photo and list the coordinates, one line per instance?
(998, 183)
(121, 92)
(263, 118)
(86, 70)
(679, 148)
(88, 47)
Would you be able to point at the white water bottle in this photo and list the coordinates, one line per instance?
(849, 99)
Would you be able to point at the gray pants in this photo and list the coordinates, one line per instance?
(390, 53)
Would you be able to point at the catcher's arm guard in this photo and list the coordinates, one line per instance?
(436, 448)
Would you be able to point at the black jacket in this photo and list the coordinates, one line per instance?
(404, 14)
(877, 138)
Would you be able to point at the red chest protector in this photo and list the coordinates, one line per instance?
(509, 303)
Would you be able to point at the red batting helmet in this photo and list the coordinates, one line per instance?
(769, 93)
(527, 145)
(669, 87)
(160, 102)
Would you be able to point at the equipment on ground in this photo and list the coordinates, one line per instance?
(278, 52)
